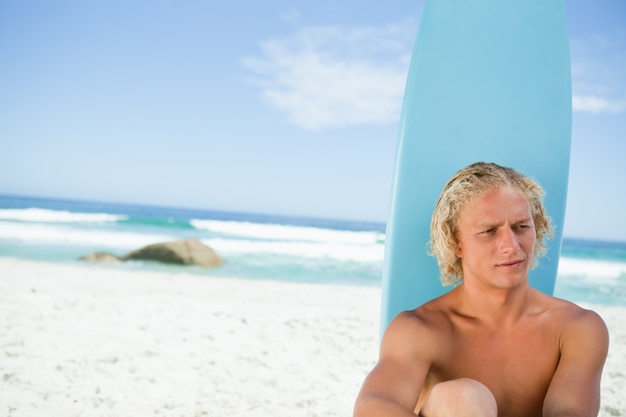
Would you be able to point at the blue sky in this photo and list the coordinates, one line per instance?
(275, 107)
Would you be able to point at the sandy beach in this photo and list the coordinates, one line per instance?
(81, 340)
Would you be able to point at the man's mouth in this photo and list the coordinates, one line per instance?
(510, 264)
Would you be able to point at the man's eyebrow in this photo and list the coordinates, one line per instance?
(488, 225)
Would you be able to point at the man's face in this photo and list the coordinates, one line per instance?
(497, 238)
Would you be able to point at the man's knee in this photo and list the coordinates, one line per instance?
(458, 398)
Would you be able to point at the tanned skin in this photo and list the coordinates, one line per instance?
(539, 355)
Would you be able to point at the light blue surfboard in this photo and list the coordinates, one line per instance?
(489, 81)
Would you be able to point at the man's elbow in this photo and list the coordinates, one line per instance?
(377, 406)
(365, 406)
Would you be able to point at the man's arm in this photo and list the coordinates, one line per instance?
(393, 386)
(575, 387)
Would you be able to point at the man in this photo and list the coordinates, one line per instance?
(493, 345)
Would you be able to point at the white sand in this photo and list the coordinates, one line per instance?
(101, 341)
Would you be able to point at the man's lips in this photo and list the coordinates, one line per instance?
(509, 264)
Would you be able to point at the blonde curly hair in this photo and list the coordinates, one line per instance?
(467, 184)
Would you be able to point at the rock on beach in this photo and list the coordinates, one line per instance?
(180, 252)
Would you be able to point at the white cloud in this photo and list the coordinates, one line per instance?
(325, 77)
(594, 104)
(599, 73)
(334, 76)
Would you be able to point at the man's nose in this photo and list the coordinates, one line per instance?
(508, 241)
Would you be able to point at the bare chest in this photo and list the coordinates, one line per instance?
(517, 366)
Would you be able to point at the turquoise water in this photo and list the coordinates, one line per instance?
(257, 246)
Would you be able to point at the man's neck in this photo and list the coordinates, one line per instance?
(493, 306)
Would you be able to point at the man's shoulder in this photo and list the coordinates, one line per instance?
(574, 319)
(579, 320)
(418, 333)
(569, 312)
(433, 316)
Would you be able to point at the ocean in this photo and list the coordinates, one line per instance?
(259, 246)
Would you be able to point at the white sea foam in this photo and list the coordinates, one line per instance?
(34, 233)
(591, 268)
(57, 234)
(56, 216)
(334, 250)
(287, 233)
